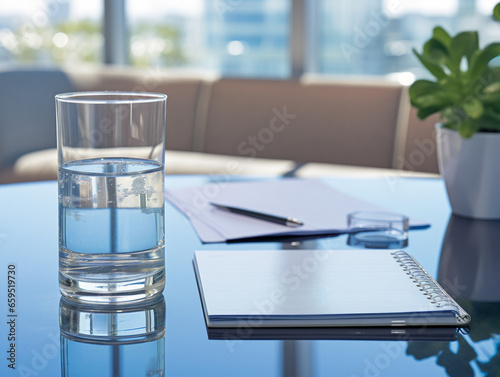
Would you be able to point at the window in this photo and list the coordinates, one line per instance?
(165, 33)
(377, 38)
(51, 31)
(248, 38)
(242, 38)
(233, 37)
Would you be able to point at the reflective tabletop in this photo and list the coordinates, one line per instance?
(44, 335)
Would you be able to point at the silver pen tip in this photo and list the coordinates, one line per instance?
(293, 222)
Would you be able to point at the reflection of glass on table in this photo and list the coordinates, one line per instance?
(113, 340)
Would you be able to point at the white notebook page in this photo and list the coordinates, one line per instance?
(306, 282)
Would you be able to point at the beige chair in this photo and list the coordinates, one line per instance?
(262, 127)
(340, 123)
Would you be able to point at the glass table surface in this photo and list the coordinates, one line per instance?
(42, 335)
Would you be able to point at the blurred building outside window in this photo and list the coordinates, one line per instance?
(377, 37)
(50, 32)
(241, 38)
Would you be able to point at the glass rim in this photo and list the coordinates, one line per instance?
(378, 216)
(99, 97)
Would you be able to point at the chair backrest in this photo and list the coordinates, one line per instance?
(344, 123)
(27, 110)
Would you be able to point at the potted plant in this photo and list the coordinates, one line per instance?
(466, 94)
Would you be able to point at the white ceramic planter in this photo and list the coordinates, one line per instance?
(471, 171)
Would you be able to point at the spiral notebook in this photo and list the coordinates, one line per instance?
(303, 288)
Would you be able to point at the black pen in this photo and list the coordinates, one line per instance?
(287, 221)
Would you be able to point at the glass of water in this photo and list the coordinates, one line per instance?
(111, 148)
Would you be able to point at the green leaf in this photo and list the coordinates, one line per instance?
(496, 12)
(435, 50)
(493, 116)
(448, 113)
(453, 116)
(480, 59)
(424, 113)
(422, 87)
(452, 84)
(442, 36)
(492, 88)
(451, 125)
(431, 65)
(473, 107)
(463, 44)
(436, 99)
(490, 98)
(490, 121)
(425, 93)
(491, 74)
(468, 128)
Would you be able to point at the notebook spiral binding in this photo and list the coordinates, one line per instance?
(428, 286)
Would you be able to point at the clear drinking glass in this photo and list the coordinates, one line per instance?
(111, 148)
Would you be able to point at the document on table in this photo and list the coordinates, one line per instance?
(321, 208)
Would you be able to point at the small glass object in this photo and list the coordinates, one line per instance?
(377, 230)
